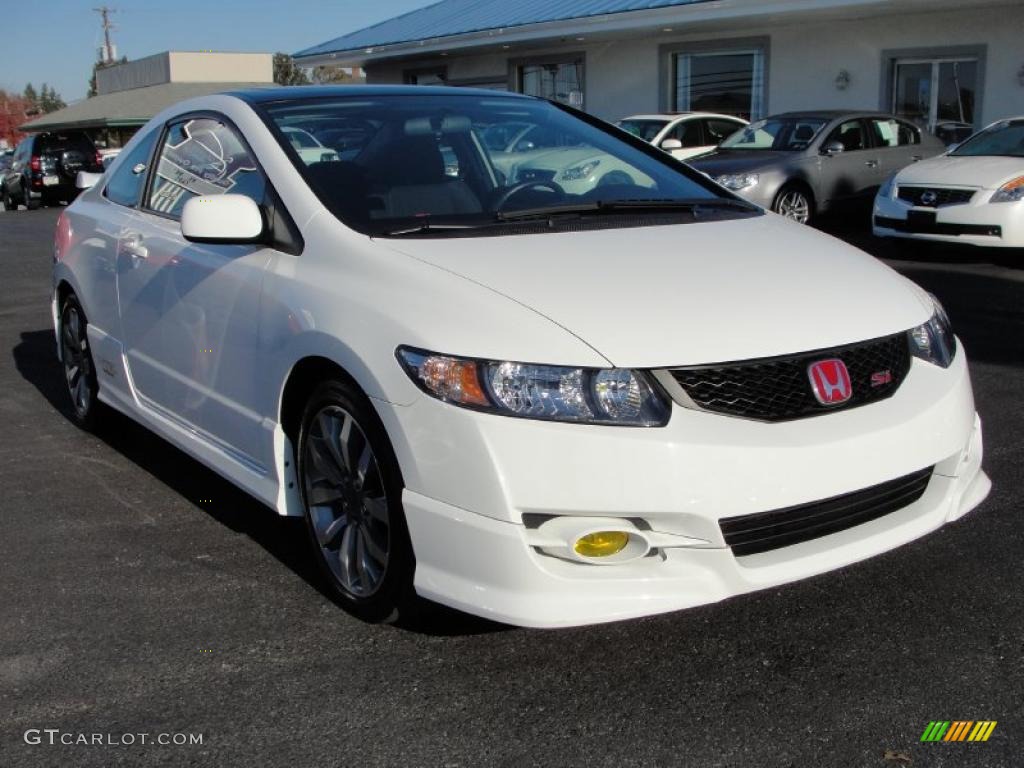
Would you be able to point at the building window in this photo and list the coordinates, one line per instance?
(729, 82)
(934, 92)
(559, 80)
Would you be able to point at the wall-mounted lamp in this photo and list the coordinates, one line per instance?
(842, 80)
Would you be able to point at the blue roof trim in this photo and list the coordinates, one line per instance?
(459, 17)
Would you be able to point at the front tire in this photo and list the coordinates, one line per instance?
(795, 203)
(79, 370)
(351, 491)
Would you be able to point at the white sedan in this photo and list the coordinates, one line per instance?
(541, 407)
(685, 134)
(973, 194)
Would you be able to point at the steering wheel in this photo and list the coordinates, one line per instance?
(511, 192)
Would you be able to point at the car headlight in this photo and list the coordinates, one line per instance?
(888, 188)
(737, 181)
(612, 396)
(1010, 192)
(580, 171)
(934, 341)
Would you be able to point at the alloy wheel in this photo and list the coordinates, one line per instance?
(793, 204)
(346, 501)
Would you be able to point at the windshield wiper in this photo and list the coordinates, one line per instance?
(618, 206)
(425, 227)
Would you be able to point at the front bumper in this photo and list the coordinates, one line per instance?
(993, 225)
(472, 479)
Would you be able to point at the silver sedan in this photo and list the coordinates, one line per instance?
(800, 164)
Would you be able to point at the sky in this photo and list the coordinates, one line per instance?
(56, 40)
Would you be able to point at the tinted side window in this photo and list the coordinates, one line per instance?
(202, 157)
(907, 134)
(125, 186)
(688, 133)
(886, 132)
(719, 130)
(850, 134)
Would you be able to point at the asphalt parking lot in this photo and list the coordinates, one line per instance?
(140, 593)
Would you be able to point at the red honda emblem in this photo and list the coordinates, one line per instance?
(830, 381)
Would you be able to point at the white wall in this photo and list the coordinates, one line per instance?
(622, 77)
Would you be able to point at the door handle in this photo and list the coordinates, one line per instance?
(871, 163)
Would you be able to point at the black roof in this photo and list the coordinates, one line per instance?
(287, 93)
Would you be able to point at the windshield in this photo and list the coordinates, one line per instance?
(407, 160)
(644, 129)
(1005, 139)
(787, 134)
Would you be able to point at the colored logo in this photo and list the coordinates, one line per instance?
(929, 197)
(958, 730)
(830, 381)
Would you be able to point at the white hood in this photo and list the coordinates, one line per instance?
(692, 293)
(981, 172)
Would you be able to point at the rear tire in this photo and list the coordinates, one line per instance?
(351, 490)
(30, 204)
(79, 370)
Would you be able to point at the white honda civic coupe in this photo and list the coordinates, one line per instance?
(541, 407)
(972, 195)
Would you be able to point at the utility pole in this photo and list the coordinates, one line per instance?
(108, 53)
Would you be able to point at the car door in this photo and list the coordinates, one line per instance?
(901, 143)
(189, 312)
(854, 171)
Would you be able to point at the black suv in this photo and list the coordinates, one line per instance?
(44, 168)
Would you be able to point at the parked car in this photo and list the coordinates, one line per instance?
(684, 134)
(541, 407)
(972, 195)
(951, 132)
(800, 164)
(44, 167)
(307, 146)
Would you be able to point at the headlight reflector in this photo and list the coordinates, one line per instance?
(580, 171)
(1010, 192)
(934, 341)
(737, 181)
(614, 396)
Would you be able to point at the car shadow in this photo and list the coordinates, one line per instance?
(284, 538)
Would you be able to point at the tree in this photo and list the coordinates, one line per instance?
(30, 93)
(324, 75)
(49, 99)
(286, 72)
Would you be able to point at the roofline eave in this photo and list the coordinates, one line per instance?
(552, 31)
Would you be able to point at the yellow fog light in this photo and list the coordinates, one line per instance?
(601, 543)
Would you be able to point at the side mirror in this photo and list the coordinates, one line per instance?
(669, 144)
(222, 219)
(87, 180)
(833, 148)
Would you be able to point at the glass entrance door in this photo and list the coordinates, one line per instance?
(934, 91)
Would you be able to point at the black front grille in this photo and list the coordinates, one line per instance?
(935, 197)
(764, 531)
(779, 388)
(939, 228)
(534, 174)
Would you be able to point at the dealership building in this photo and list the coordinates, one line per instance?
(933, 61)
